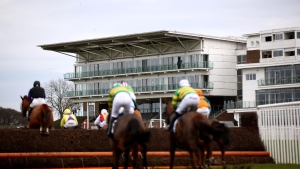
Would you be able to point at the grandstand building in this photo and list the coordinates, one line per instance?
(153, 63)
(270, 72)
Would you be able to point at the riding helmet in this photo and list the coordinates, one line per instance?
(117, 85)
(199, 91)
(184, 82)
(36, 83)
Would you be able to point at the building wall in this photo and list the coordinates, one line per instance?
(223, 54)
(249, 86)
(253, 56)
(253, 42)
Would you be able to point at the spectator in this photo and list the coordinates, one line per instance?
(69, 120)
(179, 62)
(101, 119)
(235, 122)
(204, 104)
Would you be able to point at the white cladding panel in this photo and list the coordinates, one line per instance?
(253, 42)
(250, 86)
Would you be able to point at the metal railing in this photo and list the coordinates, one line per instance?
(283, 80)
(200, 85)
(139, 69)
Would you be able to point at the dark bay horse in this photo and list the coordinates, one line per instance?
(194, 133)
(130, 134)
(41, 116)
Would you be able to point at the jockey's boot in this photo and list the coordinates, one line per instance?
(172, 120)
(110, 126)
(29, 113)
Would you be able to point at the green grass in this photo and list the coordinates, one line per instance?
(262, 166)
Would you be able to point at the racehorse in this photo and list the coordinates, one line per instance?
(130, 134)
(190, 128)
(215, 131)
(41, 116)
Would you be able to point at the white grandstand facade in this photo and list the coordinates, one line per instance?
(152, 63)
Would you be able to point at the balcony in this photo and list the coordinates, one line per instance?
(139, 89)
(140, 70)
(279, 81)
(253, 104)
(240, 105)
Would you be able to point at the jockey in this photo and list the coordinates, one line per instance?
(204, 104)
(101, 119)
(188, 98)
(36, 96)
(132, 95)
(118, 97)
(68, 120)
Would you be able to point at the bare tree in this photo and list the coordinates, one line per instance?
(11, 117)
(56, 95)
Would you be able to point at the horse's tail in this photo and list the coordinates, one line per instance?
(46, 116)
(203, 125)
(137, 132)
(224, 132)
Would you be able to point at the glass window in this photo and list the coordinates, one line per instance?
(278, 37)
(277, 53)
(298, 35)
(298, 52)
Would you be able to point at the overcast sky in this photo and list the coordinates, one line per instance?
(25, 24)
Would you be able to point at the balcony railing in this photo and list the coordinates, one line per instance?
(279, 81)
(240, 105)
(154, 88)
(253, 104)
(139, 70)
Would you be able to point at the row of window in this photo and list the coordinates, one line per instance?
(177, 60)
(280, 36)
(142, 82)
(272, 96)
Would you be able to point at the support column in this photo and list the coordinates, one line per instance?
(160, 113)
(88, 116)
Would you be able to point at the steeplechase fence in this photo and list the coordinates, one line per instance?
(279, 127)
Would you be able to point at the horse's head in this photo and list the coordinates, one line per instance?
(25, 105)
(169, 109)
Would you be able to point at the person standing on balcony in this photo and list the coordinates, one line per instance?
(118, 97)
(187, 97)
(101, 119)
(179, 62)
(204, 104)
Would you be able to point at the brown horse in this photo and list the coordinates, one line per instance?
(130, 134)
(41, 116)
(208, 130)
(194, 133)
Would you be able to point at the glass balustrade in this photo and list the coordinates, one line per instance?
(139, 70)
(279, 81)
(201, 85)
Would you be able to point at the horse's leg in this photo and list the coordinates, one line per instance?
(208, 147)
(172, 150)
(144, 154)
(126, 156)
(222, 149)
(116, 156)
(135, 152)
(194, 153)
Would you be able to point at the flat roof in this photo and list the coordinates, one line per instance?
(147, 38)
